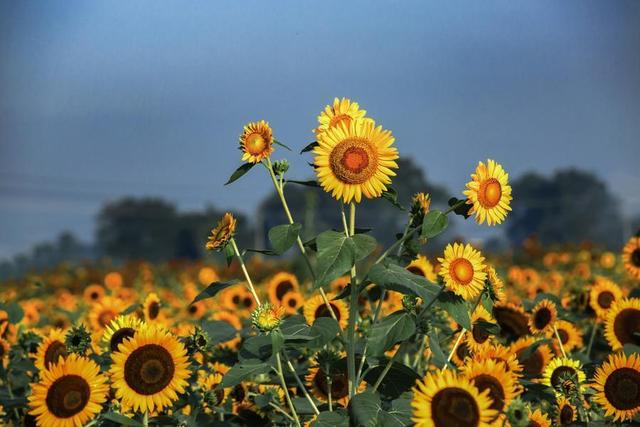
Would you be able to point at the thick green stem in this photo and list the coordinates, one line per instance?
(353, 310)
(145, 419)
(283, 383)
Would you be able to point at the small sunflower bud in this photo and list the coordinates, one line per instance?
(198, 341)
(518, 413)
(409, 302)
(78, 339)
(267, 317)
(280, 167)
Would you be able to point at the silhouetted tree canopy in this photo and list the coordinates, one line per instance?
(569, 207)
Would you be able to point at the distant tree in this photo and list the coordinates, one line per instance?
(570, 206)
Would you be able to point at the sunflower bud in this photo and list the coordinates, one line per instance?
(420, 204)
(78, 339)
(280, 167)
(409, 302)
(518, 413)
(267, 317)
(198, 341)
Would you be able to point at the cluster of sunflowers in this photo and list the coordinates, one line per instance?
(368, 336)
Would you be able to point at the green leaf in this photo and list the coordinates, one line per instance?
(336, 418)
(275, 141)
(282, 237)
(365, 408)
(324, 330)
(242, 371)
(308, 183)
(131, 309)
(434, 223)
(364, 245)
(438, 357)
(399, 379)
(256, 348)
(391, 195)
(121, 419)
(14, 312)
(228, 254)
(630, 349)
(462, 210)
(392, 329)
(396, 278)
(309, 147)
(213, 289)
(457, 307)
(487, 303)
(336, 256)
(277, 341)
(237, 174)
(218, 331)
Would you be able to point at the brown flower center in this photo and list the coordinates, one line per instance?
(496, 391)
(149, 369)
(154, 310)
(635, 257)
(480, 335)
(622, 389)
(566, 415)
(416, 270)
(353, 161)
(532, 365)
(339, 384)
(461, 270)
(255, 143)
(489, 193)
(605, 299)
(454, 407)
(626, 326)
(55, 350)
(323, 311)
(561, 374)
(106, 317)
(283, 288)
(119, 336)
(564, 336)
(513, 324)
(68, 396)
(542, 318)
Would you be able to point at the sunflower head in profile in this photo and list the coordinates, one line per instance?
(316, 308)
(222, 233)
(420, 206)
(280, 285)
(543, 317)
(492, 376)
(423, 267)
(150, 369)
(622, 325)
(121, 328)
(51, 349)
(355, 160)
(631, 257)
(607, 260)
(566, 412)
(213, 395)
(337, 381)
(602, 295)
(151, 307)
(564, 375)
(256, 142)
(496, 285)
(463, 270)
(489, 193)
(70, 393)
(443, 399)
(341, 112)
(617, 386)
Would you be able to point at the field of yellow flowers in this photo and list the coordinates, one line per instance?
(370, 336)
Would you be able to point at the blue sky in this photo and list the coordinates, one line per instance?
(104, 99)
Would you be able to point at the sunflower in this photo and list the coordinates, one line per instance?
(103, 312)
(151, 307)
(267, 317)
(492, 376)
(631, 257)
(512, 319)
(444, 399)
(222, 233)
(238, 299)
(622, 325)
(570, 336)
(533, 362)
(70, 393)
(256, 142)
(150, 369)
(420, 205)
(118, 330)
(214, 395)
(566, 412)
(93, 293)
(51, 349)
(113, 280)
(316, 308)
(281, 284)
(463, 270)
(462, 353)
(608, 260)
(478, 338)
(423, 267)
(292, 302)
(207, 275)
(617, 386)
(501, 354)
(543, 318)
(318, 383)
(355, 160)
(496, 285)
(538, 419)
(602, 296)
(343, 111)
(489, 193)
(563, 375)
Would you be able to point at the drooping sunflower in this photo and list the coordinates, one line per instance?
(316, 308)
(423, 267)
(151, 307)
(489, 193)
(513, 321)
(631, 257)
(342, 111)
(150, 370)
(443, 399)
(478, 338)
(602, 295)
(222, 233)
(103, 312)
(617, 386)
(281, 284)
(492, 376)
(256, 142)
(533, 362)
(51, 349)
(70, 393)
(622, 325)
(496, 285)
(538, 419)
(543, 317)
(118, 330)
(566, 412)
(564, 375)
(463, 270)
(570, 336)
(355, 160)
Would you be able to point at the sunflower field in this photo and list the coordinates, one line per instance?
(367, 336)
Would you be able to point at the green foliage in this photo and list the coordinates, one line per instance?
(244, 370)
(282, 237)
(396, 278)
(337, 253)
(239, 173)
(392, 329)
(434, 223)
(457, 307)
(399, 379)
(211, 290)
(337, 418)
(218, 331)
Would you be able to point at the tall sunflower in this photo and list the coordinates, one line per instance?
(150, 370)
(316, 308)
(342, 111)
(631, 257)
(256, 142)
(463, 270)
(622, 325)
(443, 399)
(121, 328)
(503, 355)
(355, 160)
(570, 336)
(51, 349)
(319, 383)
(533, 362)
(489, 193)
(69, 393)
(513, 321)
(602, 295)
(617, 386)
(564, 375)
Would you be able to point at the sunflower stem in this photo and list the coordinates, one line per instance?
(283, 383)
(353, 307)
(244, 271)
(300, 384)
(555, 331)
(145, 419)
(279, 409)
(592, 337)
(388, 367)
(455, 346)
(329, 386)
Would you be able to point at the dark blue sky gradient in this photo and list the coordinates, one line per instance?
(104, 99)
